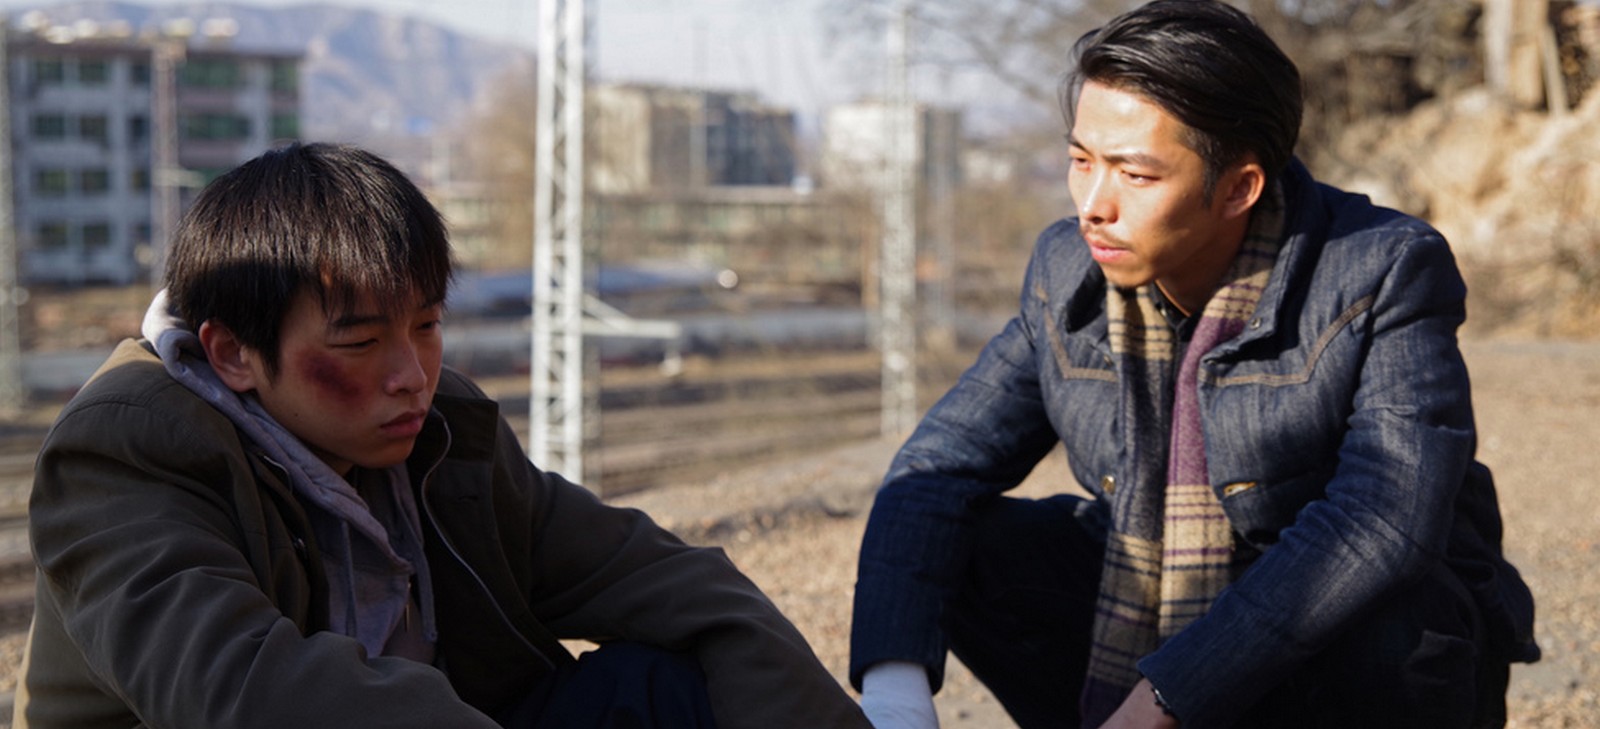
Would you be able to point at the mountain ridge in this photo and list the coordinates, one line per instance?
(368, 77)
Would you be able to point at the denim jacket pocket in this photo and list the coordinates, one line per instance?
(1259, 510)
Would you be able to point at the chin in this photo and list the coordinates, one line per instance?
(389, 458)
(1123, 280)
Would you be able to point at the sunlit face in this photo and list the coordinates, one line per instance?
(354, 386)
(1141, 199)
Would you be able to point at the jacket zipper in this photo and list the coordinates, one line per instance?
(427, 507)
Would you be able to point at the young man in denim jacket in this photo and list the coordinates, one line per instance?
(1257, 379)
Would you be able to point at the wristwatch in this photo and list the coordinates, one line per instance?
(1161, 702)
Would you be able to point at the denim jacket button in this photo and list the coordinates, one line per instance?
(1108, 484)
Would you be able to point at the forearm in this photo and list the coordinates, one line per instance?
(611, 573)
(143, 583)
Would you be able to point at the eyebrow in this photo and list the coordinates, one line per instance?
(352, 320)
(1138, 159)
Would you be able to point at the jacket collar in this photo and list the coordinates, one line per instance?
(1305, 224)
(457, 428)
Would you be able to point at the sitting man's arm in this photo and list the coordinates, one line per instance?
(981, 439)
(602, 572)
(145, 594)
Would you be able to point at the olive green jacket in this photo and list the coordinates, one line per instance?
(179, 585)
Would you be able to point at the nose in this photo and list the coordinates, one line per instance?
(1097, 204)
(406, 371)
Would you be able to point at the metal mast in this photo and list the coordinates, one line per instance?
(12, 390)
(167, 51)
(555, 421)
(897, 330)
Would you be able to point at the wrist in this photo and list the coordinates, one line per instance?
(1161, 701)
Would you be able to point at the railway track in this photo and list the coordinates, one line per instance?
(653, 430)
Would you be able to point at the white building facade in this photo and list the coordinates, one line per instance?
(84, 124)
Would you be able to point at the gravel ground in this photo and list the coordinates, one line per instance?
(794, 528)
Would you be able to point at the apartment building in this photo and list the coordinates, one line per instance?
(649, 137)
(856, 146)
(84, 123)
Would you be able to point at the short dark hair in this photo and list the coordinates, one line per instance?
(1211, 67)
(333, 219)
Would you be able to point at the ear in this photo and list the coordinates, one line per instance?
(1243, 187)
(236, 364)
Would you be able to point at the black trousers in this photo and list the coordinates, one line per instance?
(619, 685)
(1022, 616)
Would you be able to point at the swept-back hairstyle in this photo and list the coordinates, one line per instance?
(331, 219)
(1208, 65)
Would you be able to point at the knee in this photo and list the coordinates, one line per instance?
(1420, 659)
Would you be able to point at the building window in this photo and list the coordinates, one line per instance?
(286, 77)
(211, 73)
(94, 181)
(139, 179)
(285, 126)
(49, 71)
(51, 182)
(138, 128)
(92, 128)
(215, 126)
(52, 235)
(97, 235)
(94, 73)
(139, 73)
(49, 126)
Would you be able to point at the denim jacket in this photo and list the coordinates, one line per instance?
(1339, 438)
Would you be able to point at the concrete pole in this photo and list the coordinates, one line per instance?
(897, 330)
(13, 392)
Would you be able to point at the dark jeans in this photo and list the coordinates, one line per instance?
(618, 686)
(1022, 617)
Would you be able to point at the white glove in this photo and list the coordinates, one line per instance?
(895, 695)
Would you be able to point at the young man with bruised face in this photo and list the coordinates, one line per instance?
(278, 509)
(1257, 380)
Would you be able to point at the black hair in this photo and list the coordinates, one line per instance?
(1211, 67)
(333, 219)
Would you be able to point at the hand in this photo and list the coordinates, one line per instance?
(1140, 711)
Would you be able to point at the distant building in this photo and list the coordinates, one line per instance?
(856, 144)
(472, 212)
(83, 124)
(655, 137)
(709, 178)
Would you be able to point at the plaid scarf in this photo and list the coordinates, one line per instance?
(1170, 548)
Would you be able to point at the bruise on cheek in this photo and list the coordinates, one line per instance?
(330, 377)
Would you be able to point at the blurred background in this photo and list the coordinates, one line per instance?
(792, 224)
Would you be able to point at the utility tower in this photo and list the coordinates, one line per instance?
(897, 326)
(166, 53)
(556, 405)
(12, 389)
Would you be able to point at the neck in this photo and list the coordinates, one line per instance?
(1202, 274)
